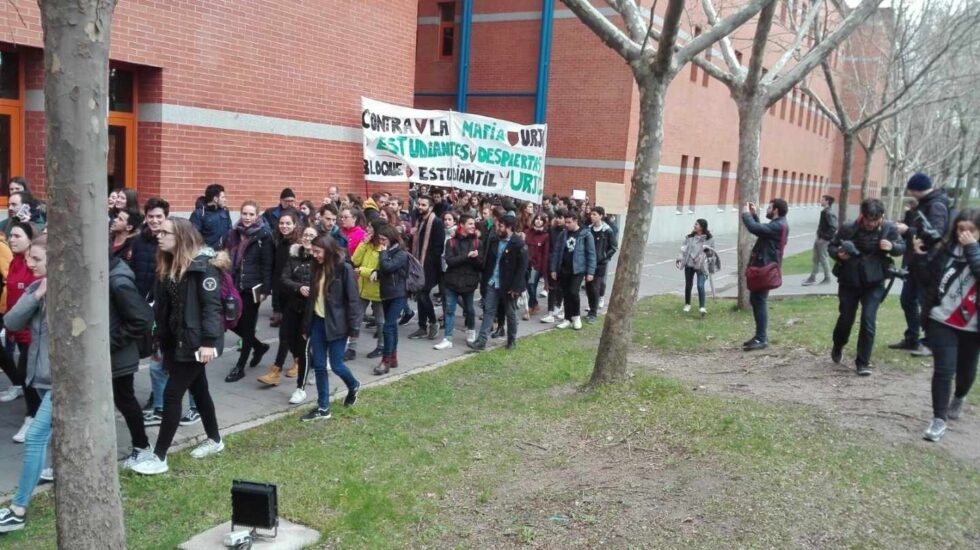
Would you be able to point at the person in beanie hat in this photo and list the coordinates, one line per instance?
(933, 207)
(287, 201)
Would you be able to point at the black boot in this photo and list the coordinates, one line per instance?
(257, 353)
(377, 352)
(236, 374)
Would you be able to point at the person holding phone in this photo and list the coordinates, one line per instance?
(947, 275)
(190, 331)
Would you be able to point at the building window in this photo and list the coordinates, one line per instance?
(738, 57)
(682, 185)
(121, 161)
(447, 30)
(723, 189)
(782, 108)
(694, 67)
(11, 119)
(792, 107)
(695, 175)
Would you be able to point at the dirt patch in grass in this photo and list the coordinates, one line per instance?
(570, 491)
(895, 405)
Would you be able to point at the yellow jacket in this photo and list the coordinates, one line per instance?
(367, 257)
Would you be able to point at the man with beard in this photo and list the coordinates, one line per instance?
(427, 245)
(768, 249)
(505, 271)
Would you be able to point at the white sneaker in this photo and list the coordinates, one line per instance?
(22, 432)
(208, 448)
(445, 344)
(47, 474)
(137, 456)
(702, 311)
(151, 466)
(559, 313)
(564, 324)
(687, 307)
(577, 323)
(543, 293)
(602, 303)
(471, 336)
(12, 393)
(299, 395)
(549, 318)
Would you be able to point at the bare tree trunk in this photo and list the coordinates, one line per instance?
(76, 62)
(869, 153)
(750, 113)
(845, 177)
(617, 330)
(890, 182)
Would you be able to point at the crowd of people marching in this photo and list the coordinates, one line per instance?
(177, 285)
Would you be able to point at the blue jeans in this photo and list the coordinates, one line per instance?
(533, 277)
(35, 451)
(493, 298)
(760, 310)
(320, 349)
(469, 314)
(158, 382)
(689, 273)
(393, 309)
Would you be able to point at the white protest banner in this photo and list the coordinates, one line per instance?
(450, 149)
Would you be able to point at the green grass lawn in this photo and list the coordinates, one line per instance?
(801, 262)
(381, 474)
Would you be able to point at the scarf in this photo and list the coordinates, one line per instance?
(246, 235)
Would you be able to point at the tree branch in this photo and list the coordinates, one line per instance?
(724, 28)
(797, 42)
(727, 51)
(668, 36)
(785, 83)
(604, 29)
(631, 16)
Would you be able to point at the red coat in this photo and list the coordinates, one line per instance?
(19, 277)
(538, 249)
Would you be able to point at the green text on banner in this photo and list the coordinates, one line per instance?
(450, 149)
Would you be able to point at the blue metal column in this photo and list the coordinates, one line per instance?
(544, 61)
(463, 80)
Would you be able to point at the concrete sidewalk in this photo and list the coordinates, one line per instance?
(247, 403)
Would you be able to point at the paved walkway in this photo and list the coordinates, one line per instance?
(246, 403)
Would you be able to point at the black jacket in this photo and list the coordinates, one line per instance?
(344, 309)
(462, 272)
(130, 318)
(198, 309)
(827, 227)
(929, 269)
(212, 222)
(513, 264)
(280, 257)
(871, 267)
(255, 265)
(767, 248)
(605, 243)
(144, 262)
(935, 208)
(393, 272)
(297, 273)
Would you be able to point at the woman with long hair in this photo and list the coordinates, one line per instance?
(694, 261)
(307, 213)
(20, 277)
(30, 313)
(251, 248)
(948, 276)
(333, 314)
(365, 260)
(190, 330)
(393, 273)
(288, 234)
(296, 280)
(525, 218)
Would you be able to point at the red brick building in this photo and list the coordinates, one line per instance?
(592, 112)
(262, 95)
(254, 95)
